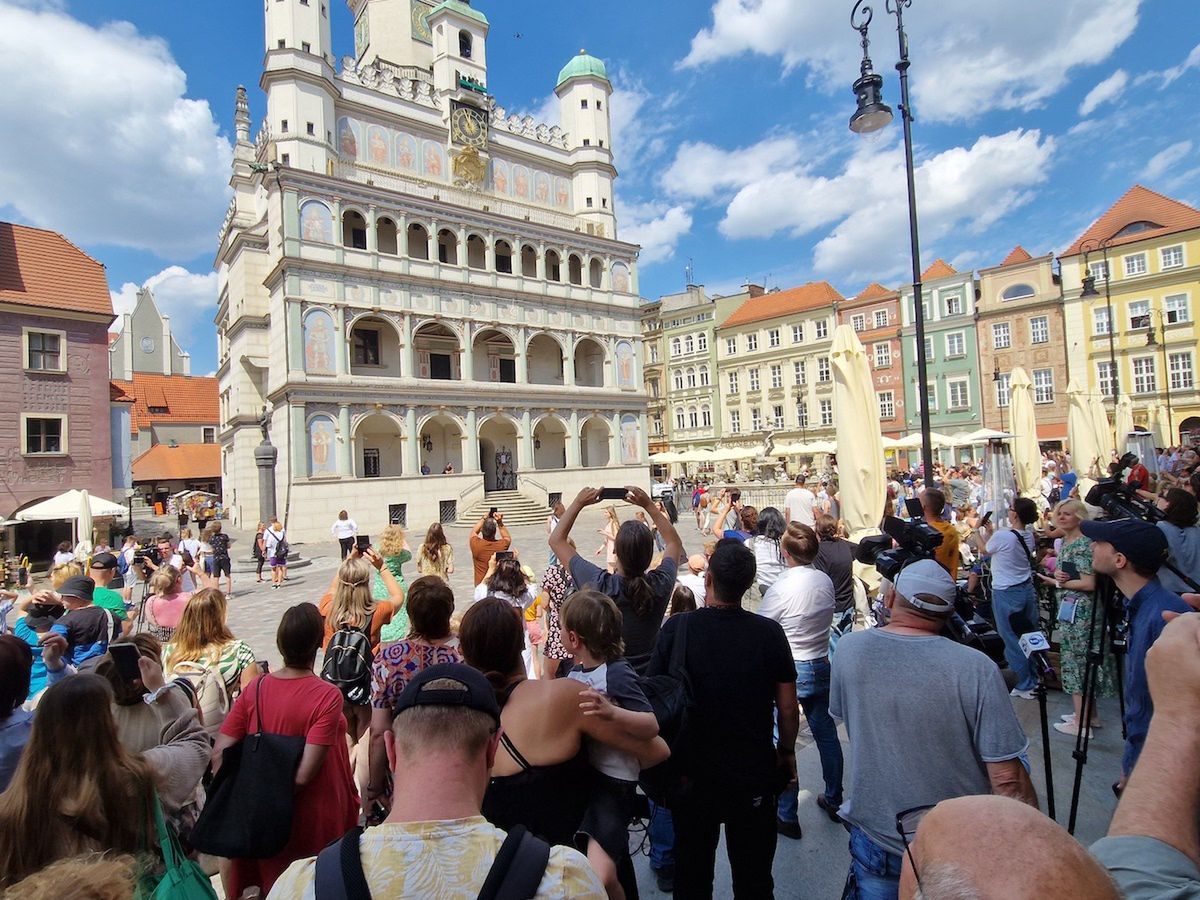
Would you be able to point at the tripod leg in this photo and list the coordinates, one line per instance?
(1046, 761)
(1091, 672)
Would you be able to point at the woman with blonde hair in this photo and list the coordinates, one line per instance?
(60, 573)
(609, 548)
(393, 547)
(164, 607)
(435, 556)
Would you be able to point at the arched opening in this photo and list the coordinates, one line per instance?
(378, 447)
(374, 348)
(589, 364)
(550, 444)
(441, 443)
(575, 269)
(386, 238)
(418, 241)
(553, 266)
(528, 261)
(1189, 429)
(544, 359)
(1018, 292)
(476, 252)
(593, 443)
(498, 454)
(493, 357)
(447, 242)
(354, 230)
(504, 257)
(464, 44)
(594, 273)
(437, 353)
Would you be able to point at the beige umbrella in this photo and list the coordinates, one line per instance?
(667, 456)
(1027, 456)
(1102, 429)
(732, 453)
(83, 523)
(862, 482)
(1162, 428)
(1124, 422)
(1085, 453)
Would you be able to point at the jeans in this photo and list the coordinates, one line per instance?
(750, 838)
(1020, 598)
(662, 837)
(812, 690)
(874, 870)
(842, 624)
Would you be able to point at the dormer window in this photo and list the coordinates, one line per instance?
(464, 44)
(583, 104)
(1137, 228)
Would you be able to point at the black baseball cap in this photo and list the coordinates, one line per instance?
(103, 561)
(78, 586)
(450, 684)
(41, 616)
(1138, 541)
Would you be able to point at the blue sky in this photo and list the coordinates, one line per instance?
(729, 129)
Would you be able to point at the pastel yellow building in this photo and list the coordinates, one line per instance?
(1142, 258)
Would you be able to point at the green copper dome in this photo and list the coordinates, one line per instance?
(582, 65)
(463, 9)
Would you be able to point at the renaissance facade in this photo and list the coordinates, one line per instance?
(422, 297)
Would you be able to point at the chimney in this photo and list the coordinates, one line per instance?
(754, 290)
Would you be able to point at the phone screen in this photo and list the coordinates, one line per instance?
(503, 554)
(612, 493)
(913, 505)
(363, 541)
(125, 656)
(987, 517)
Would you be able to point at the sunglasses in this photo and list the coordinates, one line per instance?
(907, 823)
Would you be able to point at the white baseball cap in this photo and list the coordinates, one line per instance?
(926, 576)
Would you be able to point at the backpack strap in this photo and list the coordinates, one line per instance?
(339, 872)
(518, 868)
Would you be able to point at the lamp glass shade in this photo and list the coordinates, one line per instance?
(872, 113)
(1089, 287)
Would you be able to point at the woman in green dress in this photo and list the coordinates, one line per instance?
(393, 547)
(1076, 585)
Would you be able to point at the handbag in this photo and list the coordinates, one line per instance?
(670, 696)
(248, 812)
(183, 878)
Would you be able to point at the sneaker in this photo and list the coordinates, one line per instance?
(788, 829)
(666, 879)
(831, 808)
(1024, 695)
(1070, 719)
(1070, 728)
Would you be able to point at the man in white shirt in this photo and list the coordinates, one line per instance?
(693, 577)
(799, 504)
(1011, 551)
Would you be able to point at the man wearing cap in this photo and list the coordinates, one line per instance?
(434, 842)
(1131, 552)
(799, 505)
(928, 719)
(88, 628)
(103, 570)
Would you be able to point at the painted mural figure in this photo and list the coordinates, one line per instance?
(320, 446)
(406, 152)
(433, 159)
(347, 142)
(315, 223)
(318, 344)
(620, 276)
(377, 146)
(625, 374)
(630, 439)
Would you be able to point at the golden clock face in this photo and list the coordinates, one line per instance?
(467, 126)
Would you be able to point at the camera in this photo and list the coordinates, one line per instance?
(145, 552)
(1120, 500)
(916, 540)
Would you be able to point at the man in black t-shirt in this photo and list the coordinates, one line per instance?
(742, 674)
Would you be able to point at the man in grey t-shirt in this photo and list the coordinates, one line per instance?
(928, 719)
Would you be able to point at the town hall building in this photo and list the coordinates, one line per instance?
(423, 291)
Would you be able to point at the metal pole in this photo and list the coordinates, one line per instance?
(1112, 343)
(1162, 323)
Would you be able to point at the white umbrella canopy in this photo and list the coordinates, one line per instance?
(823, 447)
(1163, 430)
(1102, 429)
(83, 522)
(1124, 422)
(667, 456)
(792, 449)
(698, 456)
(862, 482)
(732, 453)
(1027, 456)
(987, 434)
(909, 441)
(68, 506)
(943, 440)
(1081, 435)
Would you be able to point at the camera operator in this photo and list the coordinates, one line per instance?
(1011, 553)
(1183, 537)
(1131, 551)
(951, 732)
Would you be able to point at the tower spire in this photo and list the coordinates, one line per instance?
(241, 116)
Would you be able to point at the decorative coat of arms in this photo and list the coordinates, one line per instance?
(470, 169)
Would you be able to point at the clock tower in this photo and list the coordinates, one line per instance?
(459, 35)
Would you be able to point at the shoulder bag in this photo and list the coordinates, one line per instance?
(183, 878)
(248, 812)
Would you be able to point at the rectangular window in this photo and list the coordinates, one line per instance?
(1043, 385)
(776, 376)
(752, 342)
(310, 128)
(735, 420)
(733, 382)
(826, 408)
(366, 347)
(959, 393)
(798, 333)
(693, 417)
(754, 379)
(1139, 314)
(928, 349)
(887, 404)
(777, 411)
(881, 318)
(1135, 265)
(702, 342)
(1172, 257)
(1098, 270)
(654, 353)
(802, 414)
(823, 369)
(954, 305)
(583, 104)
(1104, 378)
(1100, 320)
(1179, 365)
(800, 371)
(931, 395)
(731, 346)
(398, 514)
(1177, 308)
(773, 337)
(1039, 329)
(208, 434)
(45, 434)
(1002, 392)
(956, 345)
(883, 355)
(1001, 335)
(822, 329)
(755, 419)
(858, 322)
(306, 47)
(44, 350)
(1144, 380)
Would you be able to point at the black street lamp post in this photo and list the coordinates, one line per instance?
(996, 381)
(1088, 291)
(871, 115)
(1166, 372)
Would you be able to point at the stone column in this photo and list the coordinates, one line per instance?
(412, 446)
(573, 440)
(525, 444)
(471, 444)
(345, 448)
(541, 261)
(522, 349)
(295, 335)
(489, 253)
(614, 441)
(266, 456)
(372, 238)
(341, 341)
(569, 363)
(299, 462)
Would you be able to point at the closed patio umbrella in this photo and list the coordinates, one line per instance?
(1081, 435)
(1124, 422)
(1027, 456)
(1102, 429)
(862, 481)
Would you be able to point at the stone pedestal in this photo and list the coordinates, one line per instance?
(265, 457)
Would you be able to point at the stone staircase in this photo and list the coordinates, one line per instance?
(515, 506)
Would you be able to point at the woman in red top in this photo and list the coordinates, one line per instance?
(296, 702)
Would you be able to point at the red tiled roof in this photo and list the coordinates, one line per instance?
(813, 295)
(112, 337)
(188, 400)
(1018, 255)
(43, 269)
(939, 269)
(1138, 204)
(162, 462)
(875, 291)
(116, 394)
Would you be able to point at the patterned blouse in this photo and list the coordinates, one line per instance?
(398, 663)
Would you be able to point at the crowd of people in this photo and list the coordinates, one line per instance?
(440, 742)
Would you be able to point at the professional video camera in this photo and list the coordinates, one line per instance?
(1121, 500)
(147, 551)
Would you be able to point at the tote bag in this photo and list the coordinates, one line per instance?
(183, 879)
(248, 813)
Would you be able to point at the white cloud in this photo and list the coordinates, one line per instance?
(864, 207)
(656, 226)
(1176, 72)
(1165, 160)
(1109, 89)
(188, 298)
(701, 170)
(101, 142)
(967, 57)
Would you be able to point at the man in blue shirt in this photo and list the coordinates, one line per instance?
(1130, 552)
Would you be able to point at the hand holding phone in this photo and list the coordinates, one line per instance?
(503, 554)
(613, 493)
(362, 542)
(987, 517)
(125, 657)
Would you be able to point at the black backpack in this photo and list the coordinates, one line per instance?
(347, 664)
(670, 696)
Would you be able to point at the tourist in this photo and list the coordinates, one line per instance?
(488, 537)
(259, 549)
(692, 576)
(344, 530)
(16, 665)
(611, 526)
(699, 503)
(552, 523)
(435, 556)
(768, 557)
(294, 701)
(506, 580)
(1011, 552)
(448, 469)
(33, 627)
(393, 547)
(64, 554)
(88, 628)
(425, 470)
(835, 557)
(556, 585)
(276, 546)
(1183, 538)
(799, 504)
(728, 515)
(103, 570)
(164, 607)
(429, 642)
(641, 595)
(682, 600)
(933, 506)
(218, 542)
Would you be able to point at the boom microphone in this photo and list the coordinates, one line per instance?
(1033, 643)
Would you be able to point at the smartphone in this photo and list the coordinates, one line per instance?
(913, 505)
(125, 657)
(492, 512)
(613, 493)
(264, 665)
(363, 542)
(987, 517)
(1071, 569)
(503, 554)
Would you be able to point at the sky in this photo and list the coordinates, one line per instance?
(729, 130)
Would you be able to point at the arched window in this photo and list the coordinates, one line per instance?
(679, 420)
(706, 416)
(418, 241)
(504, 257)
(1018, 292)
(354, 230)
(528, 261)
(476, 252)
(691, 378)
(575, 269)
(385, 236)
(448, 247)
(693, 417)
(704, 376)
(594, 269)
(689, 344)
(464, 44)
(702, 342)
(674, 346)
(553, 266)
(678, 376)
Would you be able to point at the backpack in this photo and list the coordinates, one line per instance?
(347, 665)
(671, 698)
(212, 696)
(281, 545)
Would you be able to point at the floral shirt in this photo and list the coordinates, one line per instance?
(232, 660)
(398, 663)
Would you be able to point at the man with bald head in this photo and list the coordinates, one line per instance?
(929, 720)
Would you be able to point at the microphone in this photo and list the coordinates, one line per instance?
(1033, 643)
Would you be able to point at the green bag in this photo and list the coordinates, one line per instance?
(183, 878)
